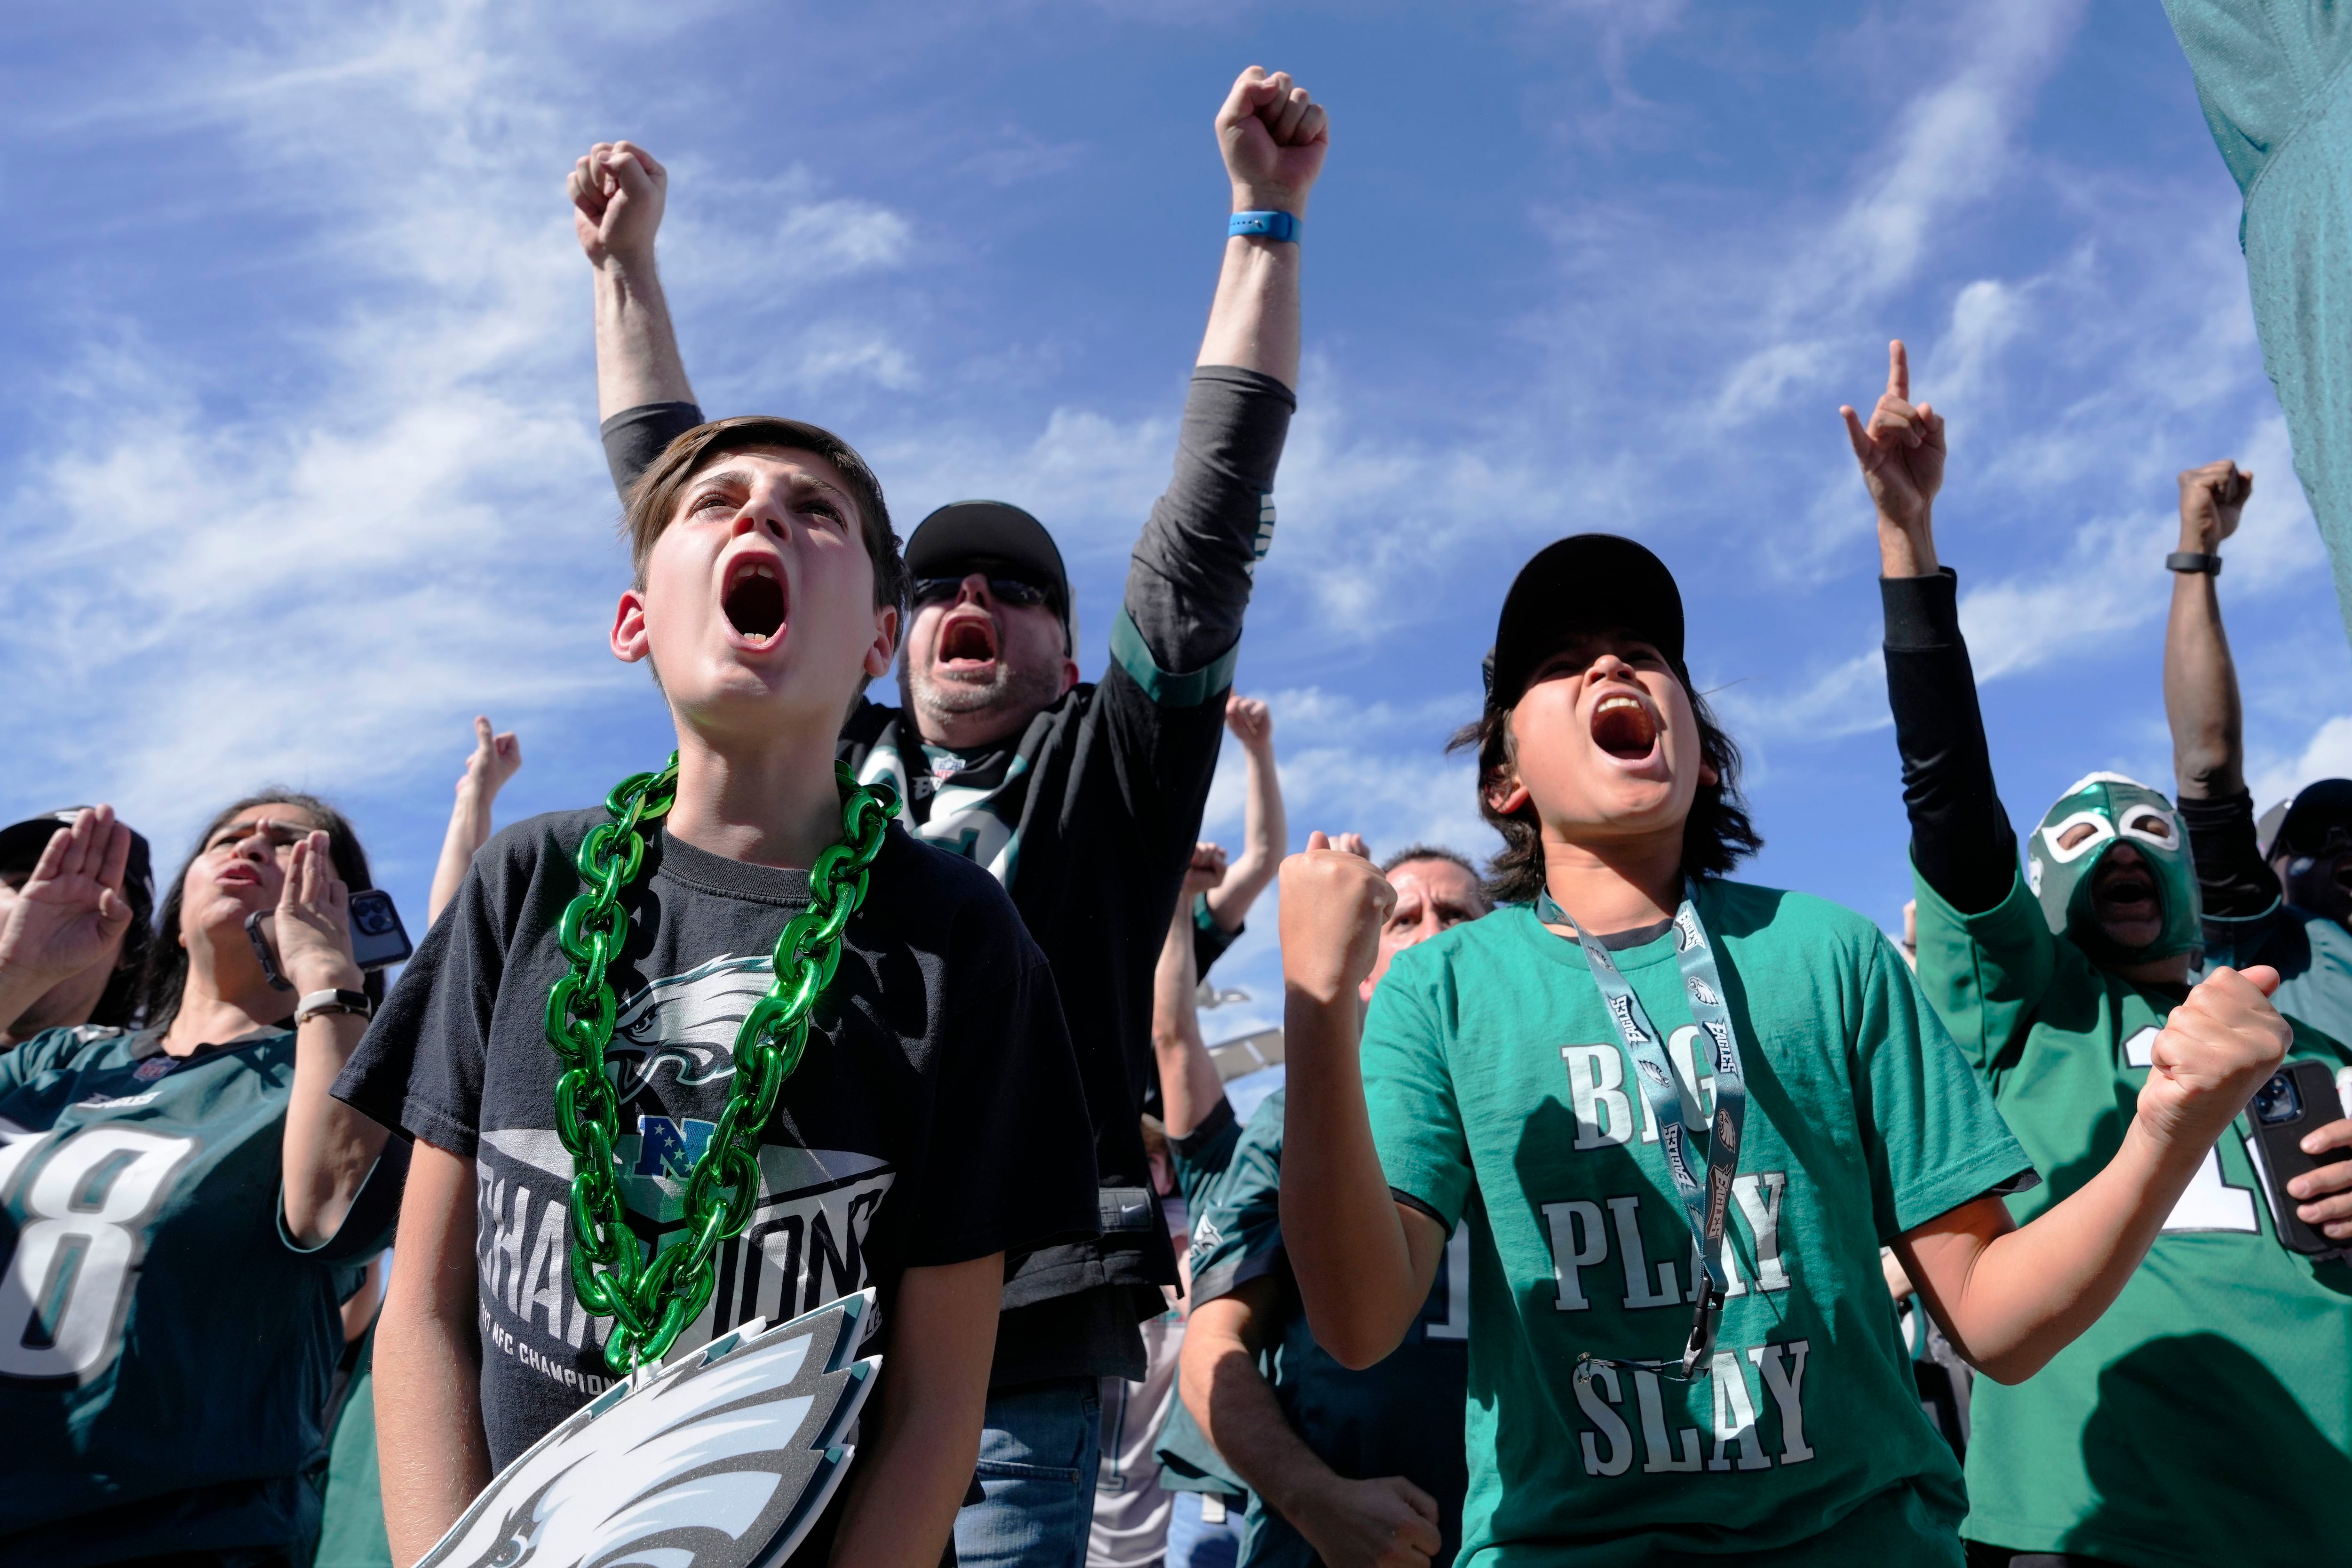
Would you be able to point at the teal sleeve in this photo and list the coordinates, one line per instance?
(1202, 1156)
(1239, 1238)
(1986, 974)
(1409, 1092)
(1932, 1137)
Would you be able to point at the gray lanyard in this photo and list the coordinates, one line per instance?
(1706, 1205)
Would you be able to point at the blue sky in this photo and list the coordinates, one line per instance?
(304, 471)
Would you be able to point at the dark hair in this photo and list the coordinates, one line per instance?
(166, 972)
(1717, 836)
(652, 502)
(1412, 852)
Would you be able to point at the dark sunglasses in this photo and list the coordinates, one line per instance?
(1005, 590)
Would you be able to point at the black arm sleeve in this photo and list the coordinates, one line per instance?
(2231, 879)
(634, 436)
(1961, 841)
(1189, 579)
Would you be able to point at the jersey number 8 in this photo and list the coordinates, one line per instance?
(67, 1288)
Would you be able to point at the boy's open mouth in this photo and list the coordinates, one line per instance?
(754, 599)
(1625, 727)
(967, 642)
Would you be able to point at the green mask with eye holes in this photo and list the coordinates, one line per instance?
(2074, 839)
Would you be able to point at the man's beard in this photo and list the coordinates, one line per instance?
(1007, 691)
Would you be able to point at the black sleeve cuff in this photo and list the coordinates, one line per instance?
(1922, 612)
(634, 436)
(1219, 1117)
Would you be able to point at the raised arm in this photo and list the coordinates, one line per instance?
(1189, 1085)
(1190, 582)
(1364, 1262)
(1960, 837)
(1266, 833)
(329, 1149)
(617, 194)
(2200, 701)
(496, 757)
(1274, 136)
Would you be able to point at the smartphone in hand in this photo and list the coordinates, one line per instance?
(2299, 1100)
(377, 936)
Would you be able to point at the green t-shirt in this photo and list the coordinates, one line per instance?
(2223, 1372)
(1204, 1160)
(1499, 1091)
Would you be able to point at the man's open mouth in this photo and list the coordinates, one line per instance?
(1625, 727)
(2131, 891)
(754, 599)
(967, 640)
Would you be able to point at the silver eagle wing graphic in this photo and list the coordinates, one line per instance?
(687, 1022)
(722, 1459)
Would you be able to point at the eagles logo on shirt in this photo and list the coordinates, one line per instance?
(721, 1460)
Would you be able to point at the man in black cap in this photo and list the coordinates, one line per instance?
(1084, 800)
(60, 965)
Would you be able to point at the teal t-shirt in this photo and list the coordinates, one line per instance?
(2224, 1371)
(1204, 1161)
(1500, 1092)
(166, 1352)
(1397, 1417)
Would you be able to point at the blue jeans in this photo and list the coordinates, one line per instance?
(1039, 1448)
(1194, 1544)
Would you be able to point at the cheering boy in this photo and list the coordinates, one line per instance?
(934, 1123)
(1641, 1053)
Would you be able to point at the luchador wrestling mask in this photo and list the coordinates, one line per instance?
(2075, 840)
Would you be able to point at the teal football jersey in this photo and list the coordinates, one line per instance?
(165, 1351)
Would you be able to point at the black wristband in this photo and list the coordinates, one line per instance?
(2192, 560)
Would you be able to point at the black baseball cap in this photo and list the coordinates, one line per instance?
(2316, 810)
(965, 534)
(21, 844)
(1588, 582)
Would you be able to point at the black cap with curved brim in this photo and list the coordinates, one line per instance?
(965, 534)
(21, 844)
(2317, 809)
(1588, 582)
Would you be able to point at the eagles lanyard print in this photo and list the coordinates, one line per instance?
(1707, 1206)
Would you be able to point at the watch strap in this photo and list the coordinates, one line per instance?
(314, 1002)
(2193, 561)
(1279, 227)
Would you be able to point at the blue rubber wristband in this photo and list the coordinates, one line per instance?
(1280, 227)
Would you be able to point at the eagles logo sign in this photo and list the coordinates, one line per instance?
(722, 1460)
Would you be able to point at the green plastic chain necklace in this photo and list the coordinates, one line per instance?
(650, 1301)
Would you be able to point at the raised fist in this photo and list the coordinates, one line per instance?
(1274, 137)
(1206, 870)
(2211, 498)
(2217, 1047)
(70, 913)
(1901, 451)
(617, 194)
(1250, 721)
(1333, 906)
(495, 760)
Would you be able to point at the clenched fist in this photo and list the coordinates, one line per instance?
(2212, 500)
(2217, 1047)
(1333, 906)
(1274, 136)
(1206, 870)
(1250, 721)
(617, 194)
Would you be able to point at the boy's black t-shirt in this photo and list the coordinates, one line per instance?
(936, 1117)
